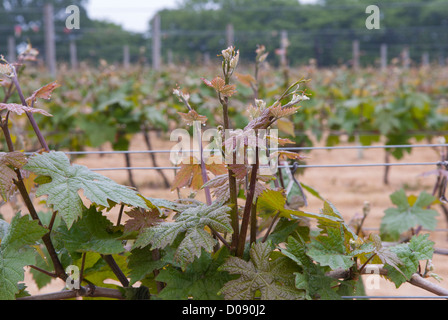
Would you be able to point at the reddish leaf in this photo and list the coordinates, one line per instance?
(20, 109)
(141, 219)
(190, 174)
(192, 116)
(44, 92)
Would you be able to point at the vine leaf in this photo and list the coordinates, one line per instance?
(16, 253)
(67, 180)
(90, 234)
(43, 93)
(312, 279)
(201, 280)
(8, 161)
(141, 263)
(141, 219)
(273, 201)
(330, 250)
(266, 273)
(190, 174)
(409, 213)
(418, 248)
(220, 86)
(192, 116)
(192, 222)
(20, 109)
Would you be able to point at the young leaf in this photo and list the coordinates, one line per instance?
(312, 279)
(190, 174)
(192, 116)
(330, 250)
(419, 248)
(191, 222)
(67, 180)
(20, 109)
(271, 276)
(43, 93)
(7, 175)
(406, 215)
(16, 253)
(141, 219)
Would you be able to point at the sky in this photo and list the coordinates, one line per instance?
(133, 15)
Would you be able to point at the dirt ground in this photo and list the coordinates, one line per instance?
(346, 188)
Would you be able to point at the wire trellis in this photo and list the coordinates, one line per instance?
(344, 165)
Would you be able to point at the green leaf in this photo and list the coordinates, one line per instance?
(67, 180)
(419, 248)
(192, 222)
(15, 253)
(200, 281)
(330, 250)
(90, 234)
(312, 278)
(406, 215)
(269, 275)
(273, 201)
(141, 263)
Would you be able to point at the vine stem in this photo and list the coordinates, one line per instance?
(248, 206)
(233, 190)
(33, 123)
(88, 291)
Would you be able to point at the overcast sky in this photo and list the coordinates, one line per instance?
(133, 15)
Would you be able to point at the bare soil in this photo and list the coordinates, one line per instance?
(346, 188)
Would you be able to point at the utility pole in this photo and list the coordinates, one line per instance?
(50, 41)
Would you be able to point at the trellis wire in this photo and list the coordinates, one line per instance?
(299, 166)
(272, 149)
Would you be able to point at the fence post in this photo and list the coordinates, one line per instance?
(73, 55)
(284, 43)
(355, 48)
(405, 57)
(230, 35)
(156, 43)
(11, 49)
(50, 41)
(425, 59)
(383, 54)
(126, 57)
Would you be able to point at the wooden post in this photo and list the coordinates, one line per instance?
(50, 41)
(230, 35)
(383, 56)
(405, 57)
(11, 49)
(73, 55)
(284, 43)
(425, 59)
(169, 57)
(156, 44)
(355, 48)
(126, 57)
